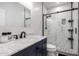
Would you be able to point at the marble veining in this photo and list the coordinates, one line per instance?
(9, 48)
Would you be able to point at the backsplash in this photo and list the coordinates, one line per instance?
(15, 31)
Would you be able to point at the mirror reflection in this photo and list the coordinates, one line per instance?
(14, 14)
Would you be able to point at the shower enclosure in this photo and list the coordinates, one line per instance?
(61, 25)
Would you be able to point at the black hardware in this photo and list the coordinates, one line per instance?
(23, 35)
(62, 11)
(70, 38)
(70, 30)
(42, 21)
(70, 21)
(6, 33)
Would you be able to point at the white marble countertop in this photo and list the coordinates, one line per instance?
(9, 48)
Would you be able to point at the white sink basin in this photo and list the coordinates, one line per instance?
(33, 37)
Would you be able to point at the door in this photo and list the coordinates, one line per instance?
(58, 34)
(63, 44)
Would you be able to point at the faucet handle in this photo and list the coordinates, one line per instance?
(15, 36)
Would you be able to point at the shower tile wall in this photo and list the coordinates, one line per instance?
(58, 32)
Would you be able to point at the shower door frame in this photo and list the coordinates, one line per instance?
(44, 15)
(78, 28)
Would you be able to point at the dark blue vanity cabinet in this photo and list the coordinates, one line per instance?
(37, 49)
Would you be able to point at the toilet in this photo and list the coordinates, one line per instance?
(51, 50)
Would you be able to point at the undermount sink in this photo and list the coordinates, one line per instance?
(33, 36)
(5, 39)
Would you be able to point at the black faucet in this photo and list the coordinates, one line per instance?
(23, 35)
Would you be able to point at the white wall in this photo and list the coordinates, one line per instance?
(2, 17)
(36, 17)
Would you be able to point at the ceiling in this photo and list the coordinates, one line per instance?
(27, 5)
(50, 5)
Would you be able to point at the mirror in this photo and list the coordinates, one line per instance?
(14, 14)
(27, 20)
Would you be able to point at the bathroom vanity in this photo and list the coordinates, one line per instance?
(29, 46)
(16, 20)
